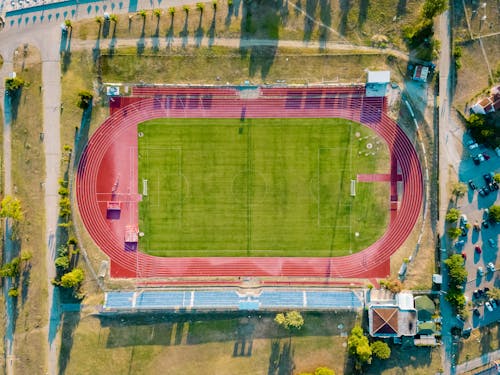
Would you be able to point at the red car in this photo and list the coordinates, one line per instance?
(486, 156)
(464, 256)
(478, 249)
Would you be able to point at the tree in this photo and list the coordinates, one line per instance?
(186, 9)
(68, 24)
(26, 256)
(494, 214)
(14, 84)
(496, 177)
(359, 346)
(62, 262)
(171, 10)
(12, 269)
(10, 207)
(84, 99)
(394, 285)
(494, 293)
(200, 6)
(113, 18)
(459, 189)
(434, 7)
(290, 320)
(142, 13)
(13, 292)
(324, 371)
(452, 215)
(72, 279)
(380, 349)
(157, 13)
(454, 233)
(99, 20)
(456, 269)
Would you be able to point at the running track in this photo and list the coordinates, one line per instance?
(109, 159)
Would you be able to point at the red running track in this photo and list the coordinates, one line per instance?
(108, 163)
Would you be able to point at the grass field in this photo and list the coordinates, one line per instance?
(267, 187)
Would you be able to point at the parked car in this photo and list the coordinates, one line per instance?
(488, 306)
(477, 227)
(495, 185)
(491, 267)
(481, 192)
(463, 219)
(459, 244)
(463, 232)
(488, 178)
(486, 213)
(486, 156)
(464, 255)
(486, 190)
(472, 185)
(476, 160)
(475, 293)
(492, 303)
(491, 241)
(486, 290)
(480, 273)
(481, 157)
(473, 146)
(497, 150)
(476, 312)
(491, 187)
(485, 224)
(477, 249)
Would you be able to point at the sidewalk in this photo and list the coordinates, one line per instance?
(478, 362)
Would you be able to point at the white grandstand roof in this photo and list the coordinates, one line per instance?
(382, 76)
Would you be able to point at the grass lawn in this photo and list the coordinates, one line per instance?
(481, 341)
(211, 344)
(28, 172)
(262, 187)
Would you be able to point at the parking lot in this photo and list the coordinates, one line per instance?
(480, 243)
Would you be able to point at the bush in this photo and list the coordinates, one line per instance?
(456, 269)
(433, 7)
(380, 349)
(62, 262)
(14, 84)
(84, 99)
(72, 279)
(452, 215)
(494, 214)
(454, 233)
(13, 292)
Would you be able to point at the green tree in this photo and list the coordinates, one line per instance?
(12, 269)
(171, 10)
(454, 233)
(14, 84)
(324, 371)
(113, 18)
(13, 292)
(459, 189)
(359, 347)
(434, 7)
(496, 177)
(494, 293)
(452, 215)
(290, 320)
(72, 279)
(10, 207)
(99, 20)
(456, 298)
(456, 269)
(142, 13)
(84, 99)
(380, 349)
(26, 256)
(62, 262)
(68, 24)
(494, 214)
(186, 9)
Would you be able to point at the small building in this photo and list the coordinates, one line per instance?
(488, 104)
(376, 84)
(420, 73)
(393, 318)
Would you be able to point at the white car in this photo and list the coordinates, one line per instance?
(481, 157)
(480, 271)
(473, 146)
(491, 267)
(492, 303)
(488, 306)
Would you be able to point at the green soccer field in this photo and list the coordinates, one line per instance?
(261, 187)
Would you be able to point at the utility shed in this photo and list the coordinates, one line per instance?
(376, 84)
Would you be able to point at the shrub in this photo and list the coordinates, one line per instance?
(72, 279)
(452, 215)
(454, 233)
(62, 262)
(14, 84)
(84, 99)
(13, 292)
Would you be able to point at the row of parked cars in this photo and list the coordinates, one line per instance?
(480, 296)
(491, 185)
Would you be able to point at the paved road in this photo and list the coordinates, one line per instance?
(46, 38)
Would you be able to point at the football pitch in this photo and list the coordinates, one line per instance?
(259, 187)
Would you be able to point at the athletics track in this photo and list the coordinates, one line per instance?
(107, 171)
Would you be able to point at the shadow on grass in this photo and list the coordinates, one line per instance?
(325, 13)
(70, 321)
(155, 38)
(201, 328)
(363, 11)
(281, 358)
(260, 24)
(141, 43)
(82, 133)
(65, 49)
(211, 31)
(345, 8)
(198, 34)
(401, 8)
(311, 6)
(170, 32)
(184, 34)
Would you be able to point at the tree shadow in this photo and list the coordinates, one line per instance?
(96, 50)
(260, 24)
(170, 32)
(244, 338)
(141, 43)
(326, 22)
(309, 18)
(66, 49)
(211, 31)
(155, 39)
(25, 277)
(345, 8)
(184, 34)
(82, 133)
(70, 321)
(363, 11)
(401, 8)
(106, 26)
(112, 43)
(198, 34)
(12, 99)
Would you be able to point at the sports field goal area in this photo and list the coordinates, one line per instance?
(260, 187)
